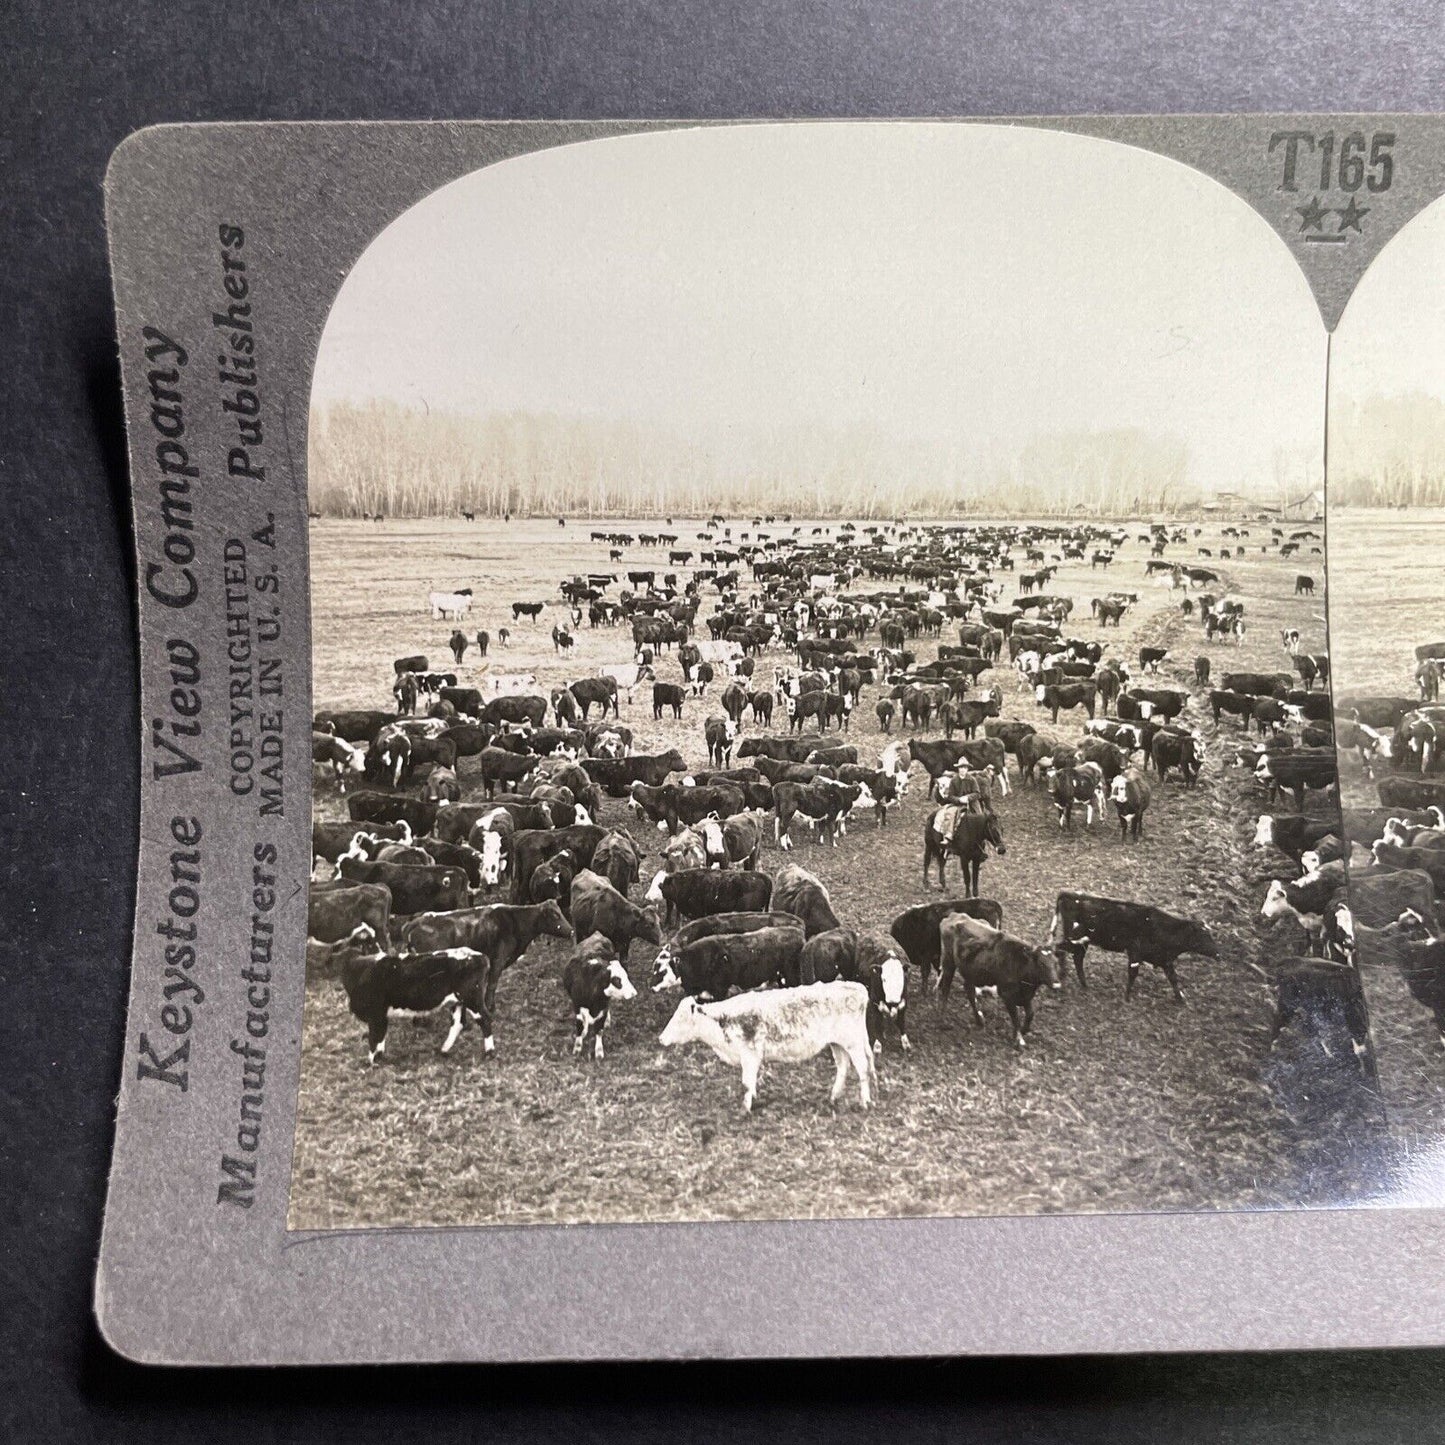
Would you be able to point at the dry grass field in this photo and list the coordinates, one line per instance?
(1113, 1106)
(1384, 599)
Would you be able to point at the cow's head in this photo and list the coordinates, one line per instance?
(618, 987)
(1119, 789)
(1276, 901)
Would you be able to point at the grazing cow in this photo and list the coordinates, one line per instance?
(336, 910)
(1066, 696)
(1292, 833)
(720, 733)
(617, 858)
(1258, 684)
(1143, 933)
(594, 979)
(414, 888)
(416, 813)
(1295, 772)
(503, 931)
(534, 846)
(693, 893)
(1236, 704)
(667, 695)
(597, 907)
(530, 610)
(552, 880)
(597, 692)
(1131, 794)
(419, 983)
(825, 801)
(716, 923)
(331, 840)
(791, 1024)
(674, 804)
(1304, 586)
(341, 757)
(984, 957)
(967, 835)
(516, 710)
(797, 891)
(916, 928)
(449, 605)
(1174, 748)
(713, 965)
(501, 765)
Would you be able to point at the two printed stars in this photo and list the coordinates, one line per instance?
(1312, 216)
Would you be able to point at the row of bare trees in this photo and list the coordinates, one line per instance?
(1388, 452)
(399, 461)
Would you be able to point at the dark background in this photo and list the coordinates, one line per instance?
(73, 83)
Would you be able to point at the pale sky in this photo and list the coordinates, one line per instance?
(1391, 339)
(975, 285)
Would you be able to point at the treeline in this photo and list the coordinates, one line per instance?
(398, 461)
(1387, 452)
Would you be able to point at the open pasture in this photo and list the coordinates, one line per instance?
(1111, 1106)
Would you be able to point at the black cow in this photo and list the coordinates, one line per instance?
(916, 928)
(503, 931)
(667, 695)
(825, 801)
(712, 967)
(985, 958)
(1236, 704)
(1143, 933)
(1066, 696)
(419, 983)
(530, 610)
(617, 775)
(597, 907)
(797, 891)
(502, 765)
(617, 859)
(1131, 794)
(1174, 748)
(591, 692)
(414, 888)
(693, 893)
(531, 847)
(593, 979)
(336, 910)
(416, 813)
(358, 726)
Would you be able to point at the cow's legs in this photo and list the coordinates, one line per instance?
(376, 1039)
(1167, 969)
(971, 994)
(1133, 977)
(867, 1071)
(752, 1064)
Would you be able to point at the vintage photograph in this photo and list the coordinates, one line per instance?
(1387, 616)
(821, 689)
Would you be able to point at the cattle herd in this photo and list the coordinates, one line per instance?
(839, 683)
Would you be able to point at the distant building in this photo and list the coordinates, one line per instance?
(1227, 502)
(1310, 505)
